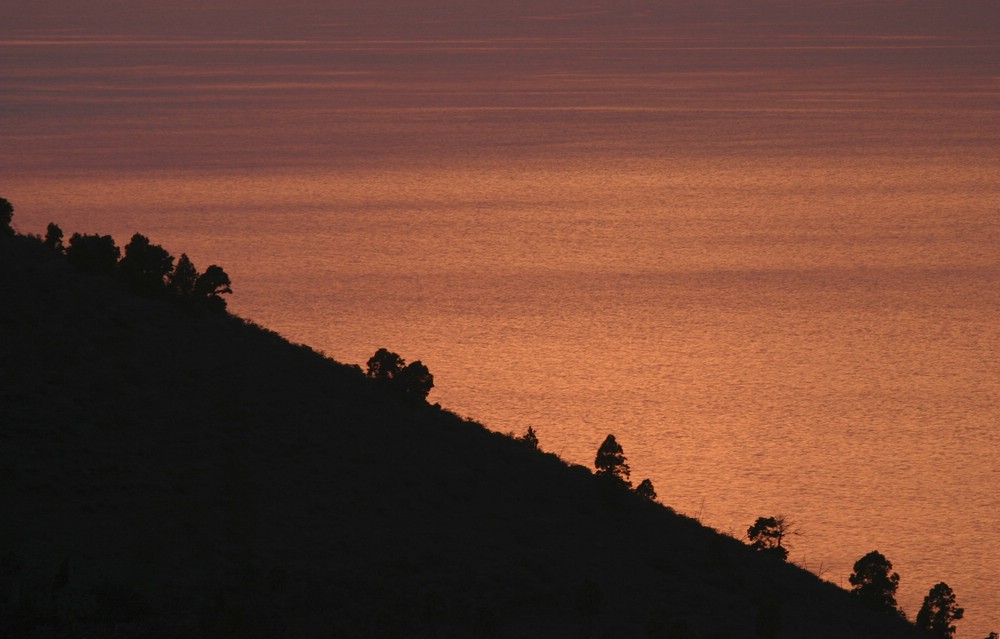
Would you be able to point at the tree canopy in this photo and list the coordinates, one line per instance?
(54, 237)
(148, 269)
(145, 266)
(411, 380)
(873, 583)
(939, 611)
(415, 380)
(211, 285)
(767, 534)
(182, 279)
(213, 282)
(610, 461)
(384, 364)
(93, 253)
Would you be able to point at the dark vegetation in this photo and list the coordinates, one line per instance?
(146, 269)
(939, 611)
(873, 583)
(610, 462)
(391, 371)
(767, 535)
(170, 470)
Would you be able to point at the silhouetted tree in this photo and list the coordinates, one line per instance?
(54, 237)
(415, 380)
(992, 635)
(411, 380)
(6, 216)
(214, 281)
(93, 253)
(610, 461)
(211, 285)
(939, 611)
(145, 266)
(645, 489)
(766, 535)
(873, 584)
(529, 438)
(181, 281)
(384, 364)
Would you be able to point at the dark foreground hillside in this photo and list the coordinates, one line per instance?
(173, 473)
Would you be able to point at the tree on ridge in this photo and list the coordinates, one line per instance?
(54, 237)
(873, 584)
(211, 285)
(610, 461)
(939, 611)
(411, 380)
(145, 266)
(384, 364)
(767, 534)
(181, 281)
(415, 380)
(93, 253)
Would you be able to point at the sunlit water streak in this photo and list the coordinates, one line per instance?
(775, 280)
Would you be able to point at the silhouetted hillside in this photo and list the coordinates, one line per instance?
(166, 472)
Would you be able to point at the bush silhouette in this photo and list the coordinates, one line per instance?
(645, 489)
(939, 611)
(873, 584)
(530, 439)
(766, 535)
(6, 216)
(610, 461)
(93, 253)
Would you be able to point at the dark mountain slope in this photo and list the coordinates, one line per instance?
(173, 473)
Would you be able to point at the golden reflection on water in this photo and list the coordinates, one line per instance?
(777, 286)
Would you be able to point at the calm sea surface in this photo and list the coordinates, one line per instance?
(769, 265)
